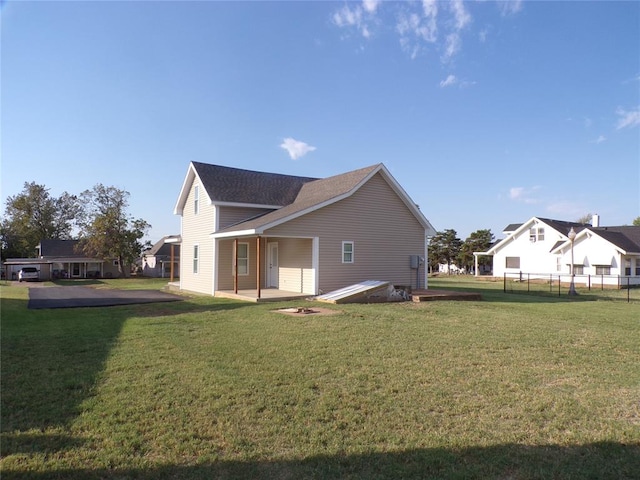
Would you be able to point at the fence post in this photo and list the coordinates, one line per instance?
(551, 283)
(504, 283)
(602, 281)
(559, 284)
(628, 289)
(589, 276)
(528, 281)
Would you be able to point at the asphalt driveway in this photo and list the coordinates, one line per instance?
(70, 297)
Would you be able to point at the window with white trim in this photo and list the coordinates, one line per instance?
(196, 199)
(195, 258)
(536, 234)
(243, 259)
(603, 269)
(347, 252)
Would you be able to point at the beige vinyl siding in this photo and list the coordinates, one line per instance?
(226, 260)
(383, 229)
(295, 271)
(196, 230)
(231, 215)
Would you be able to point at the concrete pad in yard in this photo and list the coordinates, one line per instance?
(70, 297)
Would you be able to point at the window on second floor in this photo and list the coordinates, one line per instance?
(536, 234)
(196, 199)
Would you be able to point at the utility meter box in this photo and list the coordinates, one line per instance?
(416, 261)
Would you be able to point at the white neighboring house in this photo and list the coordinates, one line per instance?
(542, 247)
(452, 269)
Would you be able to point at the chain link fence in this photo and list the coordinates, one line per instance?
(597, 287)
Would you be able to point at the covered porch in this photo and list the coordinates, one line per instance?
(263, 295)
(265, 268)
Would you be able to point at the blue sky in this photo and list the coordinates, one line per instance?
(487, 113)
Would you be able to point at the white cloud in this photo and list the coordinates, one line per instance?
(370, 5)
(599, 140)
(449, 81)
(523, 194)
(347, 17)
(357, 16)
(460, 14)
(630, 118)
(296, 148)
(428, 25)
(509, 7)
(452, 45)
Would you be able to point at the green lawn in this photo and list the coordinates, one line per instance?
(512, 387)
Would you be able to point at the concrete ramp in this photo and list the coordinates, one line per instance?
(359, 292)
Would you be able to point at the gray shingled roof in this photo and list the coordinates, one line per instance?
(626, 238)
(227, 184)
(161, 248)
(59, 248)
(562, 226)
(512, 227)
(311, 194)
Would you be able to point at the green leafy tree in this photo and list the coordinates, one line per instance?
(478, 241)
(34, 215)
(107, 230)
(444, 247)
(636, 222)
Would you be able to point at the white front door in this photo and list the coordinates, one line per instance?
(272, 265)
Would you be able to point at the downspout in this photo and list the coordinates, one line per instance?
(426, 261)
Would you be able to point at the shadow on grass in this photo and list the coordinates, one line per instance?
(591, 461)
(52, 359)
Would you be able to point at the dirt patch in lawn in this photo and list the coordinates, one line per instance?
(306, 311)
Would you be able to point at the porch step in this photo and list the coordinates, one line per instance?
(362, 291)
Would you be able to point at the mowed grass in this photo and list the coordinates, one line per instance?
(512, 387)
